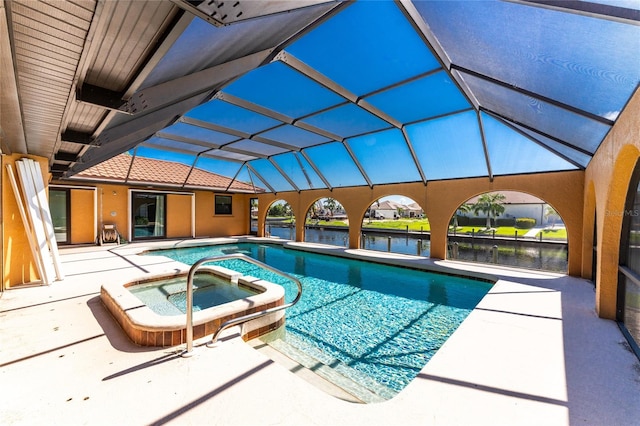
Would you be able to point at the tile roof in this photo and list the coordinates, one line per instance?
(160, 172)
(392, 205)
(388, 205)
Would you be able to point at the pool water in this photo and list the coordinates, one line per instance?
(379, 323)
(169, 296)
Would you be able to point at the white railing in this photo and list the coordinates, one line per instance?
(235, 321)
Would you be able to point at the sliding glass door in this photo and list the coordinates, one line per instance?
(148, 215)
(59, 203)
(253, 216)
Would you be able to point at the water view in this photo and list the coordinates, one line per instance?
(543, 256)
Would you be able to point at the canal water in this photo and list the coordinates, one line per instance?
(523, 256)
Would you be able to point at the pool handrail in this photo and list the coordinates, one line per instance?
(234, 321)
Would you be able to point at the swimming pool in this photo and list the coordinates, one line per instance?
(378, 325)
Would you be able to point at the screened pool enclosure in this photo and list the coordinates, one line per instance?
(340, 94)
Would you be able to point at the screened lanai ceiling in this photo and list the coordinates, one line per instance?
(291, 96)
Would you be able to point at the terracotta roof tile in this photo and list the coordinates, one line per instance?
(147, 170)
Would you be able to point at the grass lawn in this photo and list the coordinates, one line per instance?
(502, 231)
(553, 234)
(417, 225)
(328, 223)
(510, 231)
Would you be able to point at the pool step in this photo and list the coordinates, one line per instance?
(334, 371)
(302, 372)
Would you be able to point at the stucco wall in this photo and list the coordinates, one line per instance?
(83, 214)
(113, 205)
(179, 215)
(607, 180)
(562, 190)
(209, 224)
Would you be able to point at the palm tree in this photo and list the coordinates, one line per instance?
(286, 209)
(491, 204)
(330, 204)
(464, 208)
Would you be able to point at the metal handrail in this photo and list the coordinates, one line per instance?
(235, 321)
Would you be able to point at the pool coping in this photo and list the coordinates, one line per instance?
(387, 258)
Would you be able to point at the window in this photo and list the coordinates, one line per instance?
(223, 204)
(253, 216)
(60, 205)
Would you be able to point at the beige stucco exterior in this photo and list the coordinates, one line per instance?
(563, 190)
(110, 203)
(607, 182)
(83, 213)
(113, 208)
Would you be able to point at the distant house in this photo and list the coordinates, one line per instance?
(519, 204)
(414, 210)
(391, 210)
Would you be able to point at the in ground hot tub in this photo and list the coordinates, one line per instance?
(156, 315)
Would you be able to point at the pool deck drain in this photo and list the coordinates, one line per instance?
(533, 352)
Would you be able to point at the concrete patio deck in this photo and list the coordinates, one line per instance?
(532, 352)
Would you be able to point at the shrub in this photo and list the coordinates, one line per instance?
(482, 221)
(506, 221)
(525, 222)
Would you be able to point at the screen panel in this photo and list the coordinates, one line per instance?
(295, 136)
(547, 51)
(421, 99)
(512, 153)
(385, 157)
(159, 143)
(449, 147)
(346, 121)
(247, 177)
(569, 152)
(560, 123)
(231, 116)
(199, 133)
(282, 89)
(299, 171)
(354, 48)
(256, 147)
(227, 169)
(335, 163)
(271, 174)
